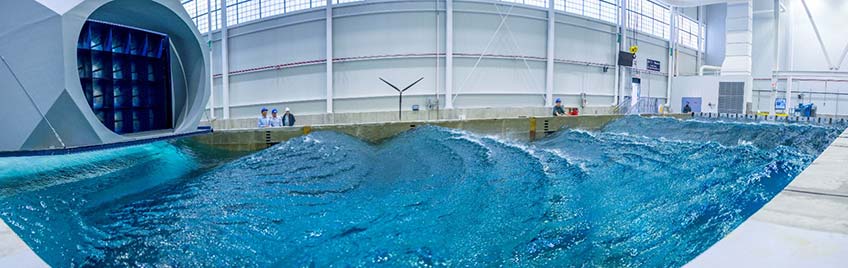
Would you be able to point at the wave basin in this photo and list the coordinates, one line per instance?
(639, 192)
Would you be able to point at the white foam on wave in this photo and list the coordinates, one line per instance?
(310, 139)
(569, 159)
(479, 139)
(800, 124)
(303, 139)
(531, 150)
(468, 136)
(537, 153)
(583, 131)
(742, 142)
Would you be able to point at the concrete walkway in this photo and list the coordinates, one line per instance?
(805, 225)
(13, 251)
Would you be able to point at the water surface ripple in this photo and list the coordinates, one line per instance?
(640, 192)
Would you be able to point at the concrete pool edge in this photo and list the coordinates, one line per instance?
(14, 252)
(254, 139)
(806, 224)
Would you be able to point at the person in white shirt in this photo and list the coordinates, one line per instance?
(264, 121)
(276, 121)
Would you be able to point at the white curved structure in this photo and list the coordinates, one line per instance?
(42, 104)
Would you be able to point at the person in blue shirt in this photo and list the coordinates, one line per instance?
(264, 121)
(558, 110)
(276, 121)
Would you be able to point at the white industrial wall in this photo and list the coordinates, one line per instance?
(799, 46)
(399, 40)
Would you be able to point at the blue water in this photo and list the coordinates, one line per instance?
(640, 192)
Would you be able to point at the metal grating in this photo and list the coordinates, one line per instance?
(731, 96)
(125, 74)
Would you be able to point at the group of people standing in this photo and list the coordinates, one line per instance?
(266, 121)
(287, 119)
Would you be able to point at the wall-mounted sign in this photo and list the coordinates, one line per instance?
(653, 65)
(694, 104)
(625, 59)
(780, 104)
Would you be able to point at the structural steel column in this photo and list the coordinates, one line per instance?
(776, 57)
(698, 51)
(788, 94)
(329, 46)
(211, 65)
(549, 74)
(672, 50)
(448, 54)
(225, 61)
(622, 46)
(790, 57)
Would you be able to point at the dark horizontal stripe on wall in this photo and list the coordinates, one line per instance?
(422, 55)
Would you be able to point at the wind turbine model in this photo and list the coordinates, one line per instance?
(400, 93)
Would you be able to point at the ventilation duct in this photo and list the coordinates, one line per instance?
(739, 38)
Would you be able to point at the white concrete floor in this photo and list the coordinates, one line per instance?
(805, 225)
(13, 251)
(764, 244)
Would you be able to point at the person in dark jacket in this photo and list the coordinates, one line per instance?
(288, 118)
(687, 109)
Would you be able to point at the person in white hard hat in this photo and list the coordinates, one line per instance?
(288, 118)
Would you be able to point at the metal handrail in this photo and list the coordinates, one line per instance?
(641, 107)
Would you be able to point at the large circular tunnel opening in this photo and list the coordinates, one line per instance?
(125, 74)
(140, 71)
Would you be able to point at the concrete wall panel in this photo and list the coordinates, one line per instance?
(397, 40)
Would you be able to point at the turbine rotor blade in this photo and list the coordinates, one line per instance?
(416, 82)
(390, 84)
